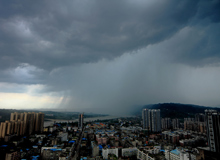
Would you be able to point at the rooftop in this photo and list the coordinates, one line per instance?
(175, 151)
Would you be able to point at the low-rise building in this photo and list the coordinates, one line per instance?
(179, 154)
(143, 155)
(107, 151)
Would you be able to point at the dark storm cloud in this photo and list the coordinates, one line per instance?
(195, 46)
(23, 74)
(111, 54)
(210, 10)
(115, 87)
(50, 34)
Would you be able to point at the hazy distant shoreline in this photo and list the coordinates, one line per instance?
(51, 121)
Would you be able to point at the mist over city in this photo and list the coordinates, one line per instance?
(108, 57)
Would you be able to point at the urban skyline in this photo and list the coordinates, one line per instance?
(147, 137)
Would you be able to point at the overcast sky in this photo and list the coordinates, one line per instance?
(108, 56)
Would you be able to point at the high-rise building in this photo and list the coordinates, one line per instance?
(80, 124)
(212, 118)
(200, 123)
(151, 120)
(200, 117)
(156, 120)
(165, 123)
(39, 122)
(145, 118)
(189, 124)
(3, 129)
(175, 123)
(22, 123)
(12, 117)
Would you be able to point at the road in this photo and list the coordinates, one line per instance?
(75, 152)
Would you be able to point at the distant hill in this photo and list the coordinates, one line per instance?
(176, 110)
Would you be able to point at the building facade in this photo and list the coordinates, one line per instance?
(175, 123)
(165, 123)
(145, 118)
(22, 124)
(107, 151)
(80, 124)
(213, 129)
(151, 120)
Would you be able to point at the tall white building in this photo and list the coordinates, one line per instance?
(151, 120)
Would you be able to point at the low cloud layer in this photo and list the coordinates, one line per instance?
(98, 56)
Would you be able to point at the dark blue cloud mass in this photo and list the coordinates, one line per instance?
(50, 34)
(112, 53)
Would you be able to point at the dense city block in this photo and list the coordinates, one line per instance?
(147, 137)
